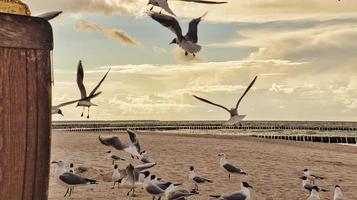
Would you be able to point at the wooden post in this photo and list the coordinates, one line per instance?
(25, 107)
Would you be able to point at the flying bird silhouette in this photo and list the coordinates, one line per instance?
(187, 42)
(235, 117)
(86, 99)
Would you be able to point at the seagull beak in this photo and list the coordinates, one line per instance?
(171, 43)
(54, 162)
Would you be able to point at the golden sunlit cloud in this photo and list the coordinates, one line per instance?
(116, 34)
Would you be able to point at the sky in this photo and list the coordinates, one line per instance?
(304, 53)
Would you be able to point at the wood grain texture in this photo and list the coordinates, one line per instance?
(19, 31)
(25, 111)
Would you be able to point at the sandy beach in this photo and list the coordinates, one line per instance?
(273, 167)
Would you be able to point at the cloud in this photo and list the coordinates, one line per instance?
(116, 34)
(281, 89)
(234, 11)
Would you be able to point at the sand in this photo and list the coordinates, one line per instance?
(273, 167)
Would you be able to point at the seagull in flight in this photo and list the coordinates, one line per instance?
(308, 186)
(165, 6)
(197, 179)
(86, 99)
(187, 42)
(235, 117)
(338, 195)
(57, 109)
(133, 148)
(69, 180)
(243, 194)
(49, 15)
(231, 169)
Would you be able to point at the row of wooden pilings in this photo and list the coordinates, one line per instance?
(204, 127)
(310, 138)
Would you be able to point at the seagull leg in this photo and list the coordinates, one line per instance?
(66, 192)
(82, 112)
(114, 185)
(112, 162)
(151, 8)
(159, 198)
(127, 194)
(194, 55)
(153, 197)
(229, 177)
(133, 194)
(70, 192)
(88, 113)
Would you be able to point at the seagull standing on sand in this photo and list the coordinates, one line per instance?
(152, 189)
(133, 148)
(235, 117)
(338, 195)
(69, 180)
(311, 177)
(113, 157)
(187, 42)
(118, 176)
(86, 100)
(314, 194)
(197, 180)
(231, 169)
(243, 194)
(308, 186)
(49, 15)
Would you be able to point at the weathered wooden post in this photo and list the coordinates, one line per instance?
(25, 107)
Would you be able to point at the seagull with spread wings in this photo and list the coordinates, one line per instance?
(133, 148)
(50, 15)
(165, 6)
(86, 99)
(187, 42)
(235, 117)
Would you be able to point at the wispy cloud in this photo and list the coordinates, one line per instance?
(116, 34)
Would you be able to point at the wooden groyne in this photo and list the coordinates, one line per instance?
(312, 138)
(205, 125)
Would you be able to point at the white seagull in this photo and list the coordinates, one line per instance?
(68, 179)
(231, 169)
(308, 186)
(151, 188)
(311, 177)
(314, 195)
(187, 42)
(234, 114)
(338, 195)
(57, 109)
(86, 99)
(49, 15)
(133, 148)
(118, 175)
(165, 6)
(243, 194)
(113, 157)
(197, 180)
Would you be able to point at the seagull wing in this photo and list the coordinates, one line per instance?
(134, 140)
(205, 2)
(114, 142)
(164, 5)
(167, 21)
(246, 91)
(80, 76)
(193, 29)
(232, 169)
(67, 103)
(50, 15)
(144, 166)
(72, 179)
(96, 87)
(209, 102)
